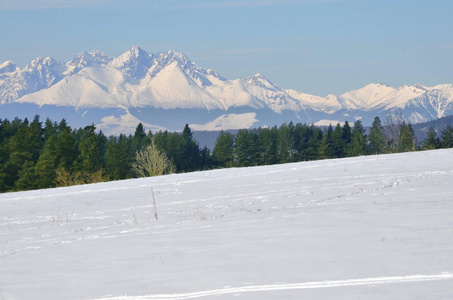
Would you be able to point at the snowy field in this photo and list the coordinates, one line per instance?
(375, 227)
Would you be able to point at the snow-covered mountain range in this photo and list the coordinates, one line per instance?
(167, 90)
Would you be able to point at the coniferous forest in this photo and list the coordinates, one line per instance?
(43, 154)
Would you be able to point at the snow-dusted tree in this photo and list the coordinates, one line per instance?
(149, 161)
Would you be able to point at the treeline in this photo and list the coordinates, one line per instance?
(35, 155)
(301, 142)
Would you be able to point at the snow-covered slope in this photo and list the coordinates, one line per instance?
(367, 97)
(168, 81)
(375, 227)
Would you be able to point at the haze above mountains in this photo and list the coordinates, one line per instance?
(167, 90)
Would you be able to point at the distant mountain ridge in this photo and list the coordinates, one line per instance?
(164, 90)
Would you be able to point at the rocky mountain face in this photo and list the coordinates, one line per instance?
(167, 90)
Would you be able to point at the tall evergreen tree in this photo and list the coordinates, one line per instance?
(325, 147)
(139, 137)
(431, 142)
(67, 149)
(118, 158)
(447, 137)
(50, 128)
(377, 139)
(340, 138)
(246, 149)
(20, 151)
(223, 152)
(406, 138)
(358, 143)
(285, 142)
(26, 177)
(90, 157)
(347, 134)
(267, 145)
(45, 171)
(311, 152)
(302, 133)
(47, 163)
(190, 152)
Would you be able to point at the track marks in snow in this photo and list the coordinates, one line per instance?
(292, 286)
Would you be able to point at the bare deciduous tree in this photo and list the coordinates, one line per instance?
(149, 161)
(393, 121)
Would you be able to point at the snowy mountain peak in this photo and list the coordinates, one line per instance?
(40, 63)
(46, 71)
(367, 96)
(198, 74)
(135, 62)
(7, 67)
(87, 59)
(420, 86)
(41, 73)
(261, 81)
(172, 56)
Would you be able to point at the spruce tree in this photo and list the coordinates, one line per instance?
(347, 134)
(447, 137)
(312, 150)
(139, 137)
(406, 138)
(285, 141)
(45, 170)
(67, 149)
(377, 139)
(90, 157)
(325, 149)
(189, 152)
(20, 150)
(47, 163)
(223, 152)
(267, 145)
(431, 142)
(26, 178)
(358, 143)
(118, 158)
(246, 149)
(340, 138)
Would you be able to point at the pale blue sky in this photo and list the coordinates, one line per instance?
(314, 46)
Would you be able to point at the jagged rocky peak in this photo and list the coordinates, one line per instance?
(172, 56)
(44, 72)
(164, 59)
(7, 67)
(215, 74)
(135, 62)
(85, 59)
(43, 63)
(261, 81)
(89, 59)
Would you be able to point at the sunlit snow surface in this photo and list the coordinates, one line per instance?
(376, 227)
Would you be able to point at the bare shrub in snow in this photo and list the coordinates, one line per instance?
(149, 161)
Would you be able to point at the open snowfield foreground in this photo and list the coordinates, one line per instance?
(375, 227)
